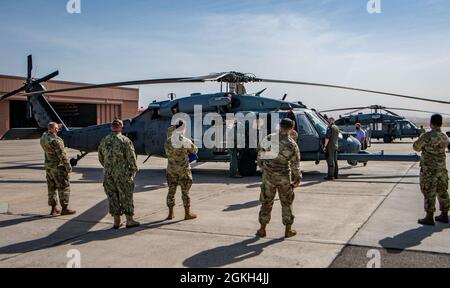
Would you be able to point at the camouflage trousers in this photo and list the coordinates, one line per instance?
(58, 185)
(434, 183)
(119, 190)
(182, 179)
(269, 188)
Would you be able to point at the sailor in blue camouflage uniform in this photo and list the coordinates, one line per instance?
(117, 156)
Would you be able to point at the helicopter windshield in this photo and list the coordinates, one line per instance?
(318, 122)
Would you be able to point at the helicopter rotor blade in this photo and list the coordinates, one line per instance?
(420, 111)
(227, 77)
(351, 89)
(390, 112)
(13, 93)
(127, 83)
(29, 67)
(48, 77)
(344, 109)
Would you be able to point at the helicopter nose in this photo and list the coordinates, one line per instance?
(351, 145)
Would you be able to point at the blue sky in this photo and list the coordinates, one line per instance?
(405, 49)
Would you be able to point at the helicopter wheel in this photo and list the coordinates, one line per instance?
(247, 163)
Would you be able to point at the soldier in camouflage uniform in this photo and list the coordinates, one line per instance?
(117, 156)
(179, 169)
(280, 174)
(57, 168)
(422, 131)
(434, 174)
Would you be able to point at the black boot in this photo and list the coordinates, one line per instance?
(428, 220)
(443, 218)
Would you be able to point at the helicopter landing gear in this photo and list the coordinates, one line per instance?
(74, 161)
(387, 139)
(247, 162)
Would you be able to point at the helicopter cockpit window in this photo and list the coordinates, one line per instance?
(304, 126)
(318, 123)
(406, 126)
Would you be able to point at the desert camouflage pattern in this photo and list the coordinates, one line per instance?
(278, 175)
(178, 167)
(117, 156)
(57, 168)
(434, 175)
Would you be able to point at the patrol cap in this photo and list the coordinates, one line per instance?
(117, 122)
(287, 123)
(437, 120)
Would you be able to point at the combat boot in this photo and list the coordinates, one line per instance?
(236, 175)
(67, 211)
(131, 223)
(188, 215)
(55, 211)
(117, 222)
(262, 231)
(428, 220)
(443, 218)
(290, 232)
(171, 214)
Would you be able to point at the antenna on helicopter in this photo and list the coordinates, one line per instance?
(284, 97)
(261, 92)
(172, 96)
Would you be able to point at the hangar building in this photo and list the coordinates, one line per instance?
(77, 108)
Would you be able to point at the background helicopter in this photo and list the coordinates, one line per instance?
(387, 126)
(148, 130)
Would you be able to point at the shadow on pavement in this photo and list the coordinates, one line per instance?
(75, 231)
(26, 219)
(229, 254)
(75, 227)
(248, 205)
(410, 238)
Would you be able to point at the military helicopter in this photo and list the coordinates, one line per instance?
(148, 130)
(387, 126)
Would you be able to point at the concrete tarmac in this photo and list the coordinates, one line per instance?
(340, 224)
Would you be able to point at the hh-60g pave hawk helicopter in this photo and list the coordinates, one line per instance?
(387, 126)
(148, 130)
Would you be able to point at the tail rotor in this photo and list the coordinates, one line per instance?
(30, 83)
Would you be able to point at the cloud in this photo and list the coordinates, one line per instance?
(286, 45)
